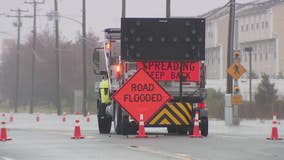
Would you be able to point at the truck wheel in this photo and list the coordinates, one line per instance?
(190, 130)
(132, 128)
(204, 126)
(104, 124)
(128, 127)
(117, 118)
(182, 130)
(104, 121)
(171, 129)
(124, 125)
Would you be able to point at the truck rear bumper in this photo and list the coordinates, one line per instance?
(173, 113)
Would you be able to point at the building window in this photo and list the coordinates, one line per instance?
(242, 28)
(266, 56)
(247, 27)
(262, 25)
(257, 25)
(266, 24)
(260, 57)
(251, 27)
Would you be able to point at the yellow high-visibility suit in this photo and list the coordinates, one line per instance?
(104, 92)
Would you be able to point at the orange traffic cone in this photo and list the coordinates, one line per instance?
(37, 117)
(274, 132)
(88, 117)
(3, 133)
(196, 131)
(77, 130)
(141, 132)
(64, 117)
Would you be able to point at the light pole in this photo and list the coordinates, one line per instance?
(123, 8)
(249, 50)
(83, 24)
(168, 8)
(35, 4)
(58, 85)
(84, 59)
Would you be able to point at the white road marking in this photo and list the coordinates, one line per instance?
(161, 153)
(234, 136)
(6, 158)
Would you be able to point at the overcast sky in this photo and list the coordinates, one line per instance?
(100, 14)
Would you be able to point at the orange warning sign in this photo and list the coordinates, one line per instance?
(141, 94)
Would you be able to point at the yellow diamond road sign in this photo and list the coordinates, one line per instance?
(236, 70)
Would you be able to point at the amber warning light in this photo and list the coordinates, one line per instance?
(118, 70)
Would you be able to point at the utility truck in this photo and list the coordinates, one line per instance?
(172, 52)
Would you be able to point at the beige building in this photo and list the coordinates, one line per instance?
(259, 25)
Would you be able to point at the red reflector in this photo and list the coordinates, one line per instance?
(201, 105)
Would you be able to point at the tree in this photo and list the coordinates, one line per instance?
(216, 103)
(266, 95)
(280, 75)
(253, 75)
(45, 68)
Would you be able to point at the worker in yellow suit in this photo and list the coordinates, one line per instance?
(104, 96)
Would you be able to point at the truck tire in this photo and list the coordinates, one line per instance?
(190, 130)
(204, 126)
(104, 121)
(117, 118)
(182, 130)
(104, 124)
(128, 127)
(124, 125)
(171, 129)
(132, 128)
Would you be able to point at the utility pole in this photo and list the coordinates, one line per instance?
(123, 14)
(58, 84)
(19, 24)
(168, 8)
(230, 44)
(34, 3)
(84, 59)
(229, 109)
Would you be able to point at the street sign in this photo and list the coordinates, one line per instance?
(237, 100)
(141, 94)
(236, 70)
(170, 71)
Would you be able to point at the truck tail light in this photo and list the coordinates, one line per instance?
(201, 105)
(118, 70)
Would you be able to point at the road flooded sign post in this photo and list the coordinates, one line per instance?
(141, 94)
